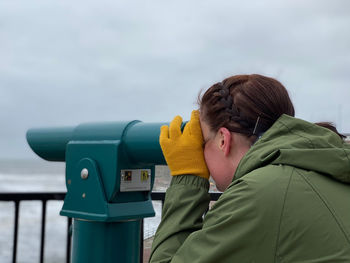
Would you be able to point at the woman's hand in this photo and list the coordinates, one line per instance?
(183, 151)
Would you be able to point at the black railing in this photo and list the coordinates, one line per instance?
(44, 197)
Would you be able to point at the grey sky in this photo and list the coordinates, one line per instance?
(69, 62)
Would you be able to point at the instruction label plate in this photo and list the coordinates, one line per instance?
(132, 180)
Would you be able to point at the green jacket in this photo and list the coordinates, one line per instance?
(289, 202)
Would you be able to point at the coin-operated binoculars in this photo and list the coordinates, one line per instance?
(110, 170)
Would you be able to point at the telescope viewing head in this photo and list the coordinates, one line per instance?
(110, 167)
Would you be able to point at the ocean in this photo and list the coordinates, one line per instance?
(43, 176)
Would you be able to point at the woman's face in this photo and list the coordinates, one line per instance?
(219, 165)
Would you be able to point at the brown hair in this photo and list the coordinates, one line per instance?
(247, 104)
(331, 127)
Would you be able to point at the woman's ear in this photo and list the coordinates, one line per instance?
(225, 140)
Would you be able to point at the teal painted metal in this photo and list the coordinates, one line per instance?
(50, 143)
(106, 148)
(99, 197)
(106, 242)
(142, 143)
(107, 217)
(141, 139)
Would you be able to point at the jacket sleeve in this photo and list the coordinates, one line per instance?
(186, 200)
(242, 226)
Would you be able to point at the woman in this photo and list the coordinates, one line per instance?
(285, 181)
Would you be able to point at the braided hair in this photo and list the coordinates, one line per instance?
(246, 104)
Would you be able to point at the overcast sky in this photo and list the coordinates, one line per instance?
(69, 62)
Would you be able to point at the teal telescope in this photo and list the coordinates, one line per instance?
(110, 169)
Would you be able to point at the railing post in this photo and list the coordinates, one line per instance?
(43, 226)
(15, 235)
(69, 239)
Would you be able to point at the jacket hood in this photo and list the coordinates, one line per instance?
(295, 142)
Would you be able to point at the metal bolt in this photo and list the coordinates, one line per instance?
(84, 195)
(84, 174)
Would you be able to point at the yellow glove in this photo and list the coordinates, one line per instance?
(183, 151)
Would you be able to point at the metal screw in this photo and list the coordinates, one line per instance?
(84, 174)
(84, 195)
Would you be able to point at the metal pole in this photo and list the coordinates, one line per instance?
(106, 242)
